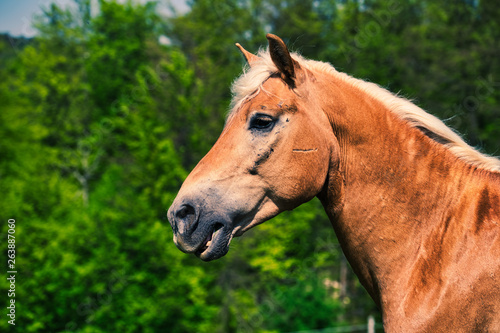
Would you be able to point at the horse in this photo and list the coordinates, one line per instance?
(415, 209)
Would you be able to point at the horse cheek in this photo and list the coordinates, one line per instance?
(310, 174)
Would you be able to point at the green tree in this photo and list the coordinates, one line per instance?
(91, 169)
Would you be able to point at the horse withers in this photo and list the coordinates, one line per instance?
(416, 210)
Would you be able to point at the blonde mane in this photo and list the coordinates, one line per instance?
(249, 84)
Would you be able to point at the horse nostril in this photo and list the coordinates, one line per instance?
(186, 219)
(184, 212)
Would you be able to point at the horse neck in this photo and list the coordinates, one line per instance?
(398, 185)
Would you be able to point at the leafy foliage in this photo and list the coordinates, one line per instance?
(100, 123)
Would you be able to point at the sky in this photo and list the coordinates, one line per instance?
(16, 15)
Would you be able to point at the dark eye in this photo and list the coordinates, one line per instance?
(262, 121)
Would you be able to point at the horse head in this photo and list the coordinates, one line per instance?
(276, 151)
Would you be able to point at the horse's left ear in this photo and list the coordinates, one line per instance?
(280, 55)
(250, 57)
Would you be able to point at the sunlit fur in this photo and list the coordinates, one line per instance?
(250, 83)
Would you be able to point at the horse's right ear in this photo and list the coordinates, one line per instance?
(281, 57)
(250, 57)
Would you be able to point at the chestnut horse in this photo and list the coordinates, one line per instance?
(416, 210)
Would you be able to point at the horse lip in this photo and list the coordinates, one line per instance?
(185, 244)
(207, 242)
(208, 239)
(208, 249)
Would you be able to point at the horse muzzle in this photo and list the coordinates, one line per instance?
(206, 234)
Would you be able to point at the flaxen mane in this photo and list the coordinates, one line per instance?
(250, 83)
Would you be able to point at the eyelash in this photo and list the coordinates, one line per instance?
(262, 122)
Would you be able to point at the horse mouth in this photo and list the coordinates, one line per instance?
(212, 246)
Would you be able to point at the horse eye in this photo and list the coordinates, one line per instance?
(261, 122)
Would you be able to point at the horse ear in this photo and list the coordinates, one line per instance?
(282, 59)
(250, 57)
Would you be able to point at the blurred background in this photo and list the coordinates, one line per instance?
(105, 107)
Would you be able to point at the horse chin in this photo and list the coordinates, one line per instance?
(216, 243)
